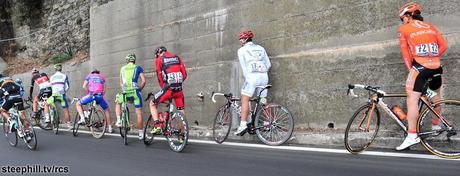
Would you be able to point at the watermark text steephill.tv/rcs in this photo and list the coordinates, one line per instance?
(35, 169)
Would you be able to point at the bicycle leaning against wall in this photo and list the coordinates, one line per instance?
(273, 123)
(364, 124)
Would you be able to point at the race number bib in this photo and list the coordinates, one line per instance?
(258, 67)
(427, 49)
(175, 77)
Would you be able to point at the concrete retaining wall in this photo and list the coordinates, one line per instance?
(316, 48)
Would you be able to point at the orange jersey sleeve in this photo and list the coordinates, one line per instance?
(405, 51)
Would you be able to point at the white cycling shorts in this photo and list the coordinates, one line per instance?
(250, 85)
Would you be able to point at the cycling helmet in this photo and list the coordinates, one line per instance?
(409, 8)
(246, 35)
(34, 71)
(58, 67)
(19, 81)
(95, 70)
(131, 58)
(159, 50)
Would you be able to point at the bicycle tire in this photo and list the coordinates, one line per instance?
(55, 117)
(30, 132)
(274, 130)
(222, 121)
(361, 112)
(443, 142)
(98, 123)
(177, 131)
(148, 137)
(40, 121)
(76, 126)
(124, 128)
(11, 137)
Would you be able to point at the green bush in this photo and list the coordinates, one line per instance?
(59, 58)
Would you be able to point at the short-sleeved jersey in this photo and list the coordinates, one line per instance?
(170, 69)
(422, 42)
(59, 83)
(129, 75)
(95, 83)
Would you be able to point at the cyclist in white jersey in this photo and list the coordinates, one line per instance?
(255, 64)
(60, 86)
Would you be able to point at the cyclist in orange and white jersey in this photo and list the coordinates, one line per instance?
(421, 46)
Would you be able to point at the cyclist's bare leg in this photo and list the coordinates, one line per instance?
(140, 120)
(66, 115)
(35, 104)
(412, 110)
(245, 107)
(118, 110)
(108, 116)
(153, 110)
(435, 120)
(5, 115)
(79, 108)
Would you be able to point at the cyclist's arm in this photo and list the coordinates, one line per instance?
(121, 77)
(441, 42)
(405, 50)
(158, 70)
(85, 83)
(142, 76)
(67, 83)
(182, 70)
(242, 61)
(267, 60)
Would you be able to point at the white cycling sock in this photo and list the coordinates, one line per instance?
(243, 123)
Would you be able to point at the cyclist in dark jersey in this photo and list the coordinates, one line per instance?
(44, 85)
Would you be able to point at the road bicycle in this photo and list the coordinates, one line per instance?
(173, 124)
(21, 128)
(273, 123)
(39, 118)
(125, 123)
(94, 119)
(364, 124)
(54, 116)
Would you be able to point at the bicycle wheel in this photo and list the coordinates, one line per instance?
(40, 121)
(274, 124)
(177, 131)
(76, 126)
(98, 123)
(30, 138)
(55, 119)
(11, 137)
(124, 128)
(361, 131)
(148, 137)
(222, 124)
(445, 141)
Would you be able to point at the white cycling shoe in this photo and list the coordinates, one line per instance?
(241, 129)
(410, 140)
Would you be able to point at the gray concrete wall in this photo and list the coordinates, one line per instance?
(317, 47)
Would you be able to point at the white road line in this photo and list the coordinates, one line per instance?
(297, 148)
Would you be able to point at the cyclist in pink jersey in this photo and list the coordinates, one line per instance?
(94, 85)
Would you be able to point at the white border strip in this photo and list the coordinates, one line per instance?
(296, 148)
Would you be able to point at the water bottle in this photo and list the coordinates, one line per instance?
(399, 112)
(430, 93)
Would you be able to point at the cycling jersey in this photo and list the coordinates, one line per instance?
(255, 64)
(59, 83)
(10, 92)
(254, 60)
(171, 70)
(422, 42)
(95, 83)
(129, 75)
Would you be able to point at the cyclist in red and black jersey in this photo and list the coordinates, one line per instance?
(171, 74)
(44, 85)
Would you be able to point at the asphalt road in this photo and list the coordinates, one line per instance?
(85, 155)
